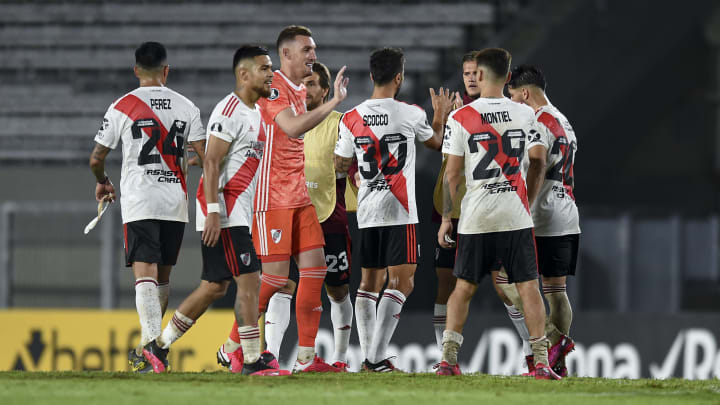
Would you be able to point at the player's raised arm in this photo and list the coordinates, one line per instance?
(442, 103)
(217, 149)
(296, 125)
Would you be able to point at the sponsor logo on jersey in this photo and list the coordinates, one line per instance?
(216, 127)
(164, 176)
(276, 235)
(500, 187)
(105, 125)
(274, 94)
(245, 257)
(378, 185)
(312, 184)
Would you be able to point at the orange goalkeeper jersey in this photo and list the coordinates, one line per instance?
(281, 182)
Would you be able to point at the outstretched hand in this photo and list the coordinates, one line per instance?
(340, 86)
(442, 102)
(458, 102)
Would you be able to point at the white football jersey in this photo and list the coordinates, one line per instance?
(382, 132)
(154, 124)
(493, 135)
(554, 211)
(241, 126)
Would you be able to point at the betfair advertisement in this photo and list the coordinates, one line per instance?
(606, 344)
(47, 340)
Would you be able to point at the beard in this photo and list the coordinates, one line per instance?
(313, 104)
(262, 91)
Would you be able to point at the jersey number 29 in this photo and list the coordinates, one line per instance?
(499, 150)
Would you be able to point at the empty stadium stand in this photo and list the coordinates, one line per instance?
(63, 63)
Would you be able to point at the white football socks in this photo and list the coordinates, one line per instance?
(341, 314)
(164, 295)
(451, 345)
(518, 319)
(365, 315)
(438, 320)
(148, 309)
(230, 346)
(250, 341)
(305, 355)
(277, 319)
(178, 325)
(388, 316)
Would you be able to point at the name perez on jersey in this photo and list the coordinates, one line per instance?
(501, 187)
(166, 176)
(160, 104)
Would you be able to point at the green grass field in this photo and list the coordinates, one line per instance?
(209, 388)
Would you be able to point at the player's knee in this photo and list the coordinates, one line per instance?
(289, 287)
(214, 291)
(337, 293)
(402, 284)
(247, 296)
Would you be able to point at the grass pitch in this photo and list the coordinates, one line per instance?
(345, 389)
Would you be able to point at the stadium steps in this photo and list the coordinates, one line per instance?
(234, 13)
(63, 63)
(66, 36)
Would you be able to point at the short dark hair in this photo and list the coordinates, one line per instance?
(524, 75)
(290, 32)
(150, 55)
(247, 52)
(323, 77)
(496, 59)
(385, 64)
(469, 57)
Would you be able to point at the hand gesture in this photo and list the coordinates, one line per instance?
(442, 103)
(211, 233)
(340, 85)
(105, 191)
(458, 102)
(444, 239)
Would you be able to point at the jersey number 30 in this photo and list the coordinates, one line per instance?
(386, 167)
(168, 149)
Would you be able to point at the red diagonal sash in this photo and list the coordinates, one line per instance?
(471, 120)
(398, 184)
(136, 109)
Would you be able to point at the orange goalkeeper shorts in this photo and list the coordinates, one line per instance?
(279, 234)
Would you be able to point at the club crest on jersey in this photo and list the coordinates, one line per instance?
(276, 235)
(216, 127)
(534, 136)
(274, 93)
(245, 257)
